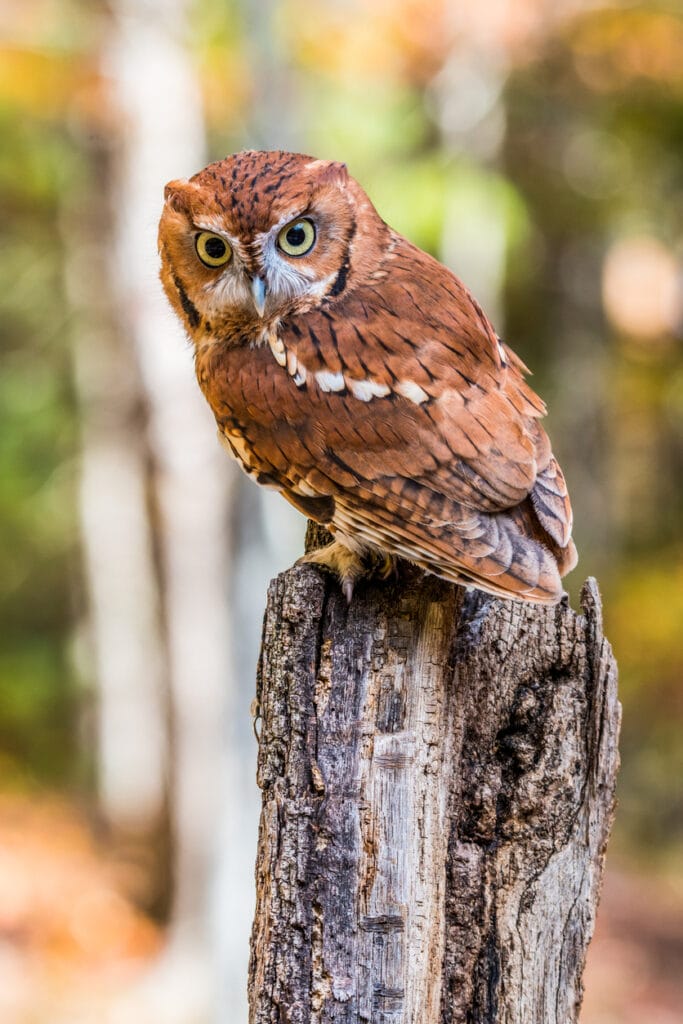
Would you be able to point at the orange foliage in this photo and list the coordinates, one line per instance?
(49, 84)
(613, 47)
(633, 971)
(385, 41)
(66, 925)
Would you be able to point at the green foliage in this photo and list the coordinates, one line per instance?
(37, 448)
(644, 616)
(599, 159)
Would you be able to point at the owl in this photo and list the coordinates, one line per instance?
(358, 376)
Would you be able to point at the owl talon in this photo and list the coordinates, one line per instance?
(346, 565)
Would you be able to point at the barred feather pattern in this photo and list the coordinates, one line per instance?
(372, 391)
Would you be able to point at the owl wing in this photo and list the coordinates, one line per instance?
(417, 429)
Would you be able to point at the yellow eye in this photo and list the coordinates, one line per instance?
(212, 250)
(297, 238)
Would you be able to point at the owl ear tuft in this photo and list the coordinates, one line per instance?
(330, 172)
(177, 195)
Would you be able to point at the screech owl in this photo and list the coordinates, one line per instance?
(358, 376)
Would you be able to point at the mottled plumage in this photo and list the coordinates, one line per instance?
(355, 374)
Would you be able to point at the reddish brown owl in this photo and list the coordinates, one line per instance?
(358, 376)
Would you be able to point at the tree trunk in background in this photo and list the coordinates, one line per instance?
(157, 96)
(438, 772)
(124, 623)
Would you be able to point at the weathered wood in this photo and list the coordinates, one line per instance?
(438, 772)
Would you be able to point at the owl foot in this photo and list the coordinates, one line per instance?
(349, 566)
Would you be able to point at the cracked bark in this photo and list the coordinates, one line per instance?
(438, 772)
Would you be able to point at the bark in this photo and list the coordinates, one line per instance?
(438, 772)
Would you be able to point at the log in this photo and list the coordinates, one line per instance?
(437, 770)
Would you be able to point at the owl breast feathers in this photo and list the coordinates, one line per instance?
(351, 371)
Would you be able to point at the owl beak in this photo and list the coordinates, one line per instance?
(258, 291)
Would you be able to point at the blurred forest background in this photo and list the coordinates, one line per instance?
(536, 148)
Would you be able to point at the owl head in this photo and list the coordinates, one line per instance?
(261, 235)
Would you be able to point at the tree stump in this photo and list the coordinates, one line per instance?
(438, 771)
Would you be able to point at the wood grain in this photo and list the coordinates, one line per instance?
(438, 771)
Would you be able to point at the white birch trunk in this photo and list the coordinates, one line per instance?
(123, 610)
(156, 92)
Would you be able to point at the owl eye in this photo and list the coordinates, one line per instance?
(212, 250)
(297, 238)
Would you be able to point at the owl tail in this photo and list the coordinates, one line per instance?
(510, 554)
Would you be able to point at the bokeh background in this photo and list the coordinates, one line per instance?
(535, 147)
